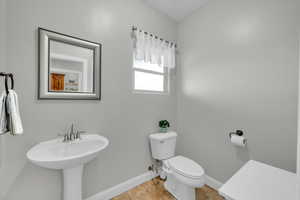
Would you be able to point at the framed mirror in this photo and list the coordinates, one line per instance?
(69, 67)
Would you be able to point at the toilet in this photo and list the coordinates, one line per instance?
(183, 174)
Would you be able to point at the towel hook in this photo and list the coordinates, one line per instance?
(11, 76)
(11, 82)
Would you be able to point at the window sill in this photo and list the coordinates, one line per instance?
(150, 92)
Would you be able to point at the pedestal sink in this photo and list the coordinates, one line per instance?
(70, 157)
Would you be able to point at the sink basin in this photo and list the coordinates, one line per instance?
(54, 154)
(70, 157)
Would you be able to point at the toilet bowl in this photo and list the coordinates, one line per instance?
(183, 174)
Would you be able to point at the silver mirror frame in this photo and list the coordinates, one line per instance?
(44, 37)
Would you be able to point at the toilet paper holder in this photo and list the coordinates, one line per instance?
(237, 132)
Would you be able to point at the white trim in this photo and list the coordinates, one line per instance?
(67, 58)
(213, 183)
(123, 187)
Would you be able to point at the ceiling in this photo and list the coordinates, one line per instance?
(176, 9)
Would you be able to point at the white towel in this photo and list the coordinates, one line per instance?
(14, 119)
(3, 116)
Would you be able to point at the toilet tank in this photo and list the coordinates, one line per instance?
(163, 145)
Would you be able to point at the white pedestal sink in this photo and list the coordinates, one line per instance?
(70, 157)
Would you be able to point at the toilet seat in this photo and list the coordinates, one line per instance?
(186, 167)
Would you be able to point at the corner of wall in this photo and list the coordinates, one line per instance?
(298, 129)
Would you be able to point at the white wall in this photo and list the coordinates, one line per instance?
(123, 117)
(239, 71)
(2, 34)
(2, 68)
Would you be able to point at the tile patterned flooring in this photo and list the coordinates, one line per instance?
(154, 190)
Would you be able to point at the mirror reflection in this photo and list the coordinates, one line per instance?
(71, 68)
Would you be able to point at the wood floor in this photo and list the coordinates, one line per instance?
(154, 190)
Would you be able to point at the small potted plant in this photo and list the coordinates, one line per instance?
(163, 125)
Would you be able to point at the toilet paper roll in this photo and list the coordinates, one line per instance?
(239, 141)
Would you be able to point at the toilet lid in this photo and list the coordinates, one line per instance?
(186, 167)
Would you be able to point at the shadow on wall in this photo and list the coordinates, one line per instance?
(242, 154)
(37, 176)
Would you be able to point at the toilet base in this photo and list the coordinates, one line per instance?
(178, 190)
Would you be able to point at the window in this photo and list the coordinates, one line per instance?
(150, 78)
(148, 48)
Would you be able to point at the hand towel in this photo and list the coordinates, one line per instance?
(14, 119)
(3, 114)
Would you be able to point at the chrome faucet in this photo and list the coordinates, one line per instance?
(72, 134)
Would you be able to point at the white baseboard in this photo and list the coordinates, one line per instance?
(123, 187)
(213, 183)
(133, 182)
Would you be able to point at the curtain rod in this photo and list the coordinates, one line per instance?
(156, 37)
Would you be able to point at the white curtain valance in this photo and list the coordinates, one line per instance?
(149, 49)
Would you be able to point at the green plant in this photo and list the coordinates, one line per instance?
(163, 124)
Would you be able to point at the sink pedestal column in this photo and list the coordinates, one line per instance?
(72, 183)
